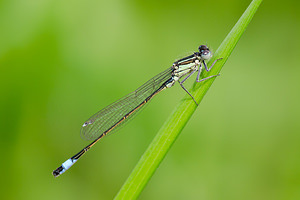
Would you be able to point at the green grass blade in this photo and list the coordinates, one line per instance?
(178, 119)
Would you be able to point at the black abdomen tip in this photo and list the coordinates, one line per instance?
(56, 172)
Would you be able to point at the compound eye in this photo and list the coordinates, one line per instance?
(203, 48)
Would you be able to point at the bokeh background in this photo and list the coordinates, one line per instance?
(62, 61)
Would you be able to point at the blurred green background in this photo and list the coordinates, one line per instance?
(62, 61)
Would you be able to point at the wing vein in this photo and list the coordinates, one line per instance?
(111, 117)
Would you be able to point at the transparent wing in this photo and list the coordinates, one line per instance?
(111, 115)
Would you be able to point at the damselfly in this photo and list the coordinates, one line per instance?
(119, 112)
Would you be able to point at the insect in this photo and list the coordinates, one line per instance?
(119, 112)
